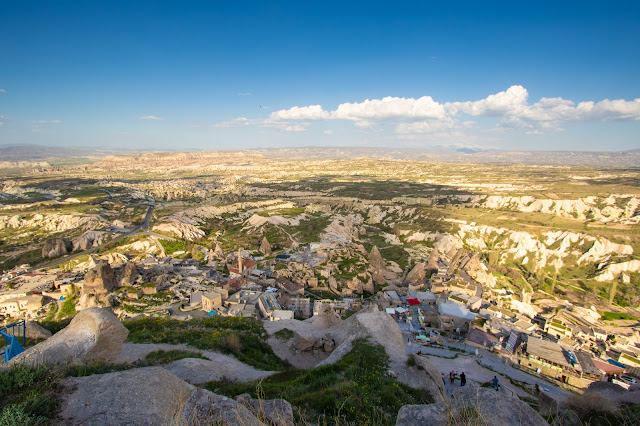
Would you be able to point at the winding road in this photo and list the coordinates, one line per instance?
(144, 226)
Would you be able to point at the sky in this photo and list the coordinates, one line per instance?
(216, 75)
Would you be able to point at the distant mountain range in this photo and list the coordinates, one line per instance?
(42, 153)
(15, 153)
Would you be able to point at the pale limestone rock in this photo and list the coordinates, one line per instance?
(94, 334)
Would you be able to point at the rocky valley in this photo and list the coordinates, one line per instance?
(310, 262)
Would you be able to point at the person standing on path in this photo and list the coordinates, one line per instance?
(451, 377)
(463, 379)
(495, 382)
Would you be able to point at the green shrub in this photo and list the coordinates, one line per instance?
(411, 360)
(164, 357)
(27, 395)
(55, 326)
(284, 334)
(355, 390)
(241, 337)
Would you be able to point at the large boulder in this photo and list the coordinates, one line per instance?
(473, 405)
(56, 247)
(304, 341)
(432, 415)
(326, 318)
(95, 334)
(146, 396)
(100, 281)
(277, 412)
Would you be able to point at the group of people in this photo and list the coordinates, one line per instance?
(463, 379)
(452, 378)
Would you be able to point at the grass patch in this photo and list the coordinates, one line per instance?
(68, 308)
(27, 395)
(355, 390)
(173, 246)
(164, 357)
(241, 337)
(54, 326)
(284, 334)
(613, 316)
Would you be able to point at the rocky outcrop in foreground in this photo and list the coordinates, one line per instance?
(472, 405)
(147, 396)
(94, 334)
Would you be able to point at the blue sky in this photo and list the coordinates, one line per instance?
(235, 75)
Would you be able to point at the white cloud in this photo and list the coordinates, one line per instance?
(3, 120)
(47, 122)
(328, 132)
(390, 108)
(3, 91)
(236, 122)
(512, 100)
(149, 117)
(244, 93)
(311, 112)
(295, 128)
(427, 126)
(424, 115)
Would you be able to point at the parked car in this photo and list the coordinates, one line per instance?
(629, 380)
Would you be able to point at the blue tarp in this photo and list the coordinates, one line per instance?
(616, 363)
(211, 313)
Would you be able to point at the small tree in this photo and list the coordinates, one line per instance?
(612, 292)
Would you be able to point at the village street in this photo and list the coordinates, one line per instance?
(482, 368)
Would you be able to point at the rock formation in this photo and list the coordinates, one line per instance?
(326, 318)
(265, 247)
(88, 240)
(146, 396)
(432, 263)
(277, 412)
(417, 274)
(94, 334)
(199, 371)
(184, 231)
(376, 260)
(99, 282)
(128, 275)
(219, 253)
(494, 408)
(381, 329)
(359, 287)
(56, 247)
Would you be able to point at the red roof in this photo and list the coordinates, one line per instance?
(246, 264)
(607, 368)
(237, 282)
(413, 302)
